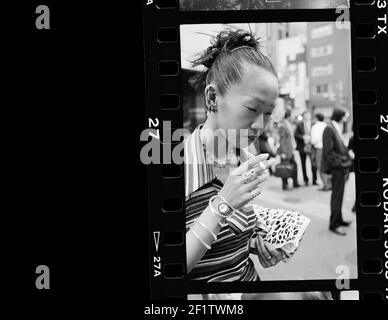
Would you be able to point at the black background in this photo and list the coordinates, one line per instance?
(75, 186)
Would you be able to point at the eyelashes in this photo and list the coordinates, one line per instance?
(251, 109)
(268, 114)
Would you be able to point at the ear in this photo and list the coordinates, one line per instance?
(211, 96)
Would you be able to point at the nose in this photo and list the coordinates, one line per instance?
(258, 123)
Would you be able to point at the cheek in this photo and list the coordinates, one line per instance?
(232, 115)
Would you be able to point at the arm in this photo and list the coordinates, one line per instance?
(236, 192)
(328, 151)
(195, 249)
(282, 133)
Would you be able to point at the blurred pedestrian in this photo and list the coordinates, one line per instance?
(286, 148)
(317, 144)
(337, 162)
(262, 146)
(351, 153)
(303, 145)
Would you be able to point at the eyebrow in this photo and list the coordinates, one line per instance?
(261, 101)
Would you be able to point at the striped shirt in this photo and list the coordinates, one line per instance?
(228, 259)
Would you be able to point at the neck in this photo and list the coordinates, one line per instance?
(216, 147)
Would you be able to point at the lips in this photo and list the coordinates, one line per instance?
(252, 138)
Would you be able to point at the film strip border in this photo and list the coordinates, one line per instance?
(370, 107)
(166, 181)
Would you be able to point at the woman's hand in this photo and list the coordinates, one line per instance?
(268, 255)
(238, 191)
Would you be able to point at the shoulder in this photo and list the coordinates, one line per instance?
(328, 130)
(328, 126)
(320, 124)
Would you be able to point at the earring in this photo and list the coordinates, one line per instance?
(212, 107)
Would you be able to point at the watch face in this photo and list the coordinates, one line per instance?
(223, 208)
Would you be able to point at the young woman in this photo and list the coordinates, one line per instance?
(241, 89)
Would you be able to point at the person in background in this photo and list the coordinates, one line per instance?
(303, 145)
(261, 145)
(337, 162)
(317, 144)
(311, 148)
(286, 148)
(351, 153)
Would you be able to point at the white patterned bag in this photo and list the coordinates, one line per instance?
(282, 228)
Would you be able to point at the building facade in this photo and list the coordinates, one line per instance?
(328, 67)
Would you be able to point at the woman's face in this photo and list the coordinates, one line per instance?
(247, 106)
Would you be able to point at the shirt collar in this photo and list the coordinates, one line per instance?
(337, 126)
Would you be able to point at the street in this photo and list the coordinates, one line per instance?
(320, 251)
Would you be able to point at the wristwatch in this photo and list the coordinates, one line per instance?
(224, 209)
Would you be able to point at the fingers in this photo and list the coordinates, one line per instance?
(247, 165)
(256, 160)
(264, 165)
(256, 181)
(263, 250)
(274, 252)
(249, 195)
(254, 193)
(264, 262)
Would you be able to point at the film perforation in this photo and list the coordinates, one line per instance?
(367, 97)
(367, 131)
(372, 296)
(171, 171)
(172, 205)
(169, 102)
(174, 271)
(167, 35)
(372, 266)
(168, 68)
(365, 2)
(370, 199)
(370, 233)
(366, 64)
(173, 238)
(176, 299)
(365, 31)
(166, 4)
(369, 165)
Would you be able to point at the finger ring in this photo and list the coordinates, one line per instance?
(248, 175)
(269, 257)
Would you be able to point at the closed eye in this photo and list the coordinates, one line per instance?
(251, 109)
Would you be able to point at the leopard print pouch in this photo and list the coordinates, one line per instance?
(282, 228)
